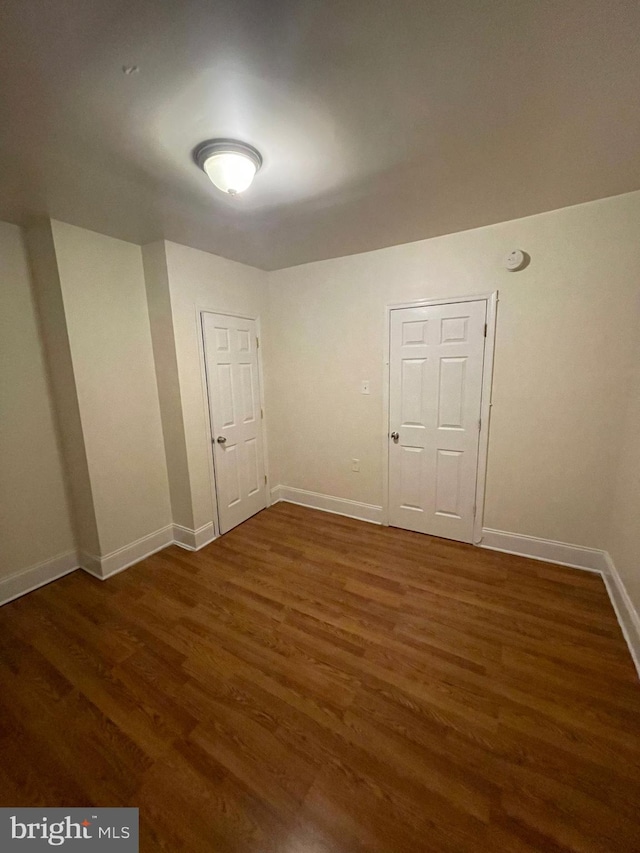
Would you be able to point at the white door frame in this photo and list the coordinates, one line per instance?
(200, 312)
(485, 407)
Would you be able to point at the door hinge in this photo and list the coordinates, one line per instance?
(475, 510)
(479, 424)
(257, 342)
(265, 479)
(485, 330)
(261, 413)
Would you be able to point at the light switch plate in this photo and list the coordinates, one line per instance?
(364, 387)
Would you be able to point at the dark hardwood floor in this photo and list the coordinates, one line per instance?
(313, 684)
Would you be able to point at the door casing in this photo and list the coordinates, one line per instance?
(205, 402)
(485, 409)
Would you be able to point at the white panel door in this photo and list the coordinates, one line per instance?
(230, 345)
(435, 395)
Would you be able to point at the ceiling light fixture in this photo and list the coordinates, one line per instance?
(230, 165)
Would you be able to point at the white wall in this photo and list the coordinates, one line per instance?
(55, 337)
(103, 291)
(166, 366)
(198, 282)
(566, 328)
(624, 535)
(35, 522)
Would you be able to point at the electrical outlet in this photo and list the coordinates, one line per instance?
(355, 466)
(364, 387)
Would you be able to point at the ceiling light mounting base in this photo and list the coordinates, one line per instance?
(207, 149)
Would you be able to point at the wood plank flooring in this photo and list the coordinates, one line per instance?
(314, 684)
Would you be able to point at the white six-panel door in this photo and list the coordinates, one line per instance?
(230, 345)
(435, 394)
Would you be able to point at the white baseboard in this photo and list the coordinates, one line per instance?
(628, 616)
(26, 580)
(577, 557)
(120, 559)
(90, 564)
(327, 503)
(193, 540)
(547, 550)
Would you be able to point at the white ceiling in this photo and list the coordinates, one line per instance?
(380, 121)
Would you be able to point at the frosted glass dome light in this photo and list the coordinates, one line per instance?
(230, 165)
(230, 172)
